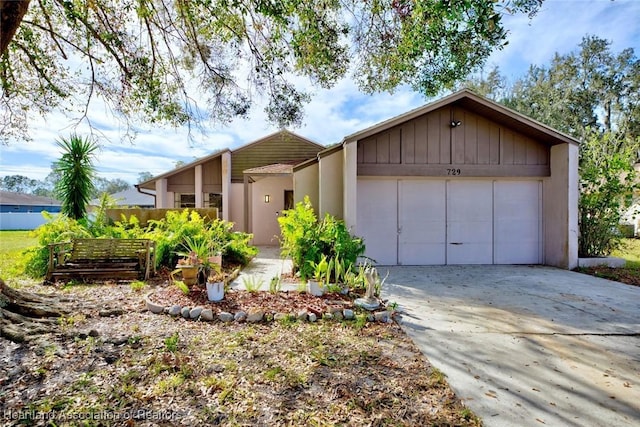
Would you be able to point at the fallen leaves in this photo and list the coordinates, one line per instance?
(145, 369)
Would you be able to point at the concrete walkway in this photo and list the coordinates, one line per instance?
(266, 265)
(527, 346)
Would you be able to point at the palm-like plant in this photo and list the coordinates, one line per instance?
(75, 186)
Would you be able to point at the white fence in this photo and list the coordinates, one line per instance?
(21, 220)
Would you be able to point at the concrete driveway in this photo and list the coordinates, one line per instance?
(527, 346)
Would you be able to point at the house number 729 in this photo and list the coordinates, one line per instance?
(453, 171)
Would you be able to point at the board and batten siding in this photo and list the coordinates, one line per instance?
(282, 147)
(429, 146)
(184, 182)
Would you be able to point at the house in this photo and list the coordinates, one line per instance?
(130, 197)
(249, 186)
(462, 180)
(20, 211)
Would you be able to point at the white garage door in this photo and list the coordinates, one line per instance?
(434, 222)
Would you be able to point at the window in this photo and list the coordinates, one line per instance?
(184, 200)
(288, 199)
(213, 200)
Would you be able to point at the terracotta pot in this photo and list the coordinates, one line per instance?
(215, 291)
(216, 259)
(189, 274)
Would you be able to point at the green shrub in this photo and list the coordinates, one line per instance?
(57, 229)
(177, 233)
(238, 250)
(606, 189)
(170, 232)
(306, 240)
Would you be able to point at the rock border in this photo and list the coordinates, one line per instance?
(203, 314)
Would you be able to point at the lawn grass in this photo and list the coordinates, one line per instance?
(630, 252)
(12, 246)
(630, 273)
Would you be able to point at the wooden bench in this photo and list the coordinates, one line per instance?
(101, 259)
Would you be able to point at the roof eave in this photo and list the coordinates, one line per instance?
(466, 97)
(150, 183)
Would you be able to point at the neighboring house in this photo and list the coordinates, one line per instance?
(250, 185)
(462, 180)
(130, 198)
(23, 211)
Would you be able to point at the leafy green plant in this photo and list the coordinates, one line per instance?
(171, 343)
(57, 229)
(182, 286)
(76, 170)
(252, 283)
(321, 270)
(275, 285)
(306, 240)
(606, 188)
(137, 285)
(238, 250)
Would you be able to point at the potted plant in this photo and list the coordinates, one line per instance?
(321, 272)
(193, 262)
(189, 266)
(215, 283)
(217, 241)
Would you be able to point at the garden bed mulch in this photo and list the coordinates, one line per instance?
(629, 276)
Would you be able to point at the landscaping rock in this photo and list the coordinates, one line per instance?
(207, 315)
(255, 316)
(312, 317)
(194, 313)
(280, 316)
(327, 316)
(226, 317)
(335, 309)
(175, 310)
(240, 316)
(370, 318)
(302, 315)
(381, 316)
(348, 314)
(186, 312)
(337, 315)
(367, 304)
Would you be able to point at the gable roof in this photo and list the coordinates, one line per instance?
(150, 183)
(279, 147)
(469, 100)
(11, 198)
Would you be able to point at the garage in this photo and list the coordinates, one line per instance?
(462, 180)
(455, 221)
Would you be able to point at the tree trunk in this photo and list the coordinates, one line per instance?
(25, 316)
(11, 14)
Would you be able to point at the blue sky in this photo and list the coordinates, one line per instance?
(332, 114)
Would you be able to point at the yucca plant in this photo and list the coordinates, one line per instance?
(77, 172)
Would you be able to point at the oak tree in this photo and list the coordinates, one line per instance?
(180, 62)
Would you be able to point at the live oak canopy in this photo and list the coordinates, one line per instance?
(153, 60)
